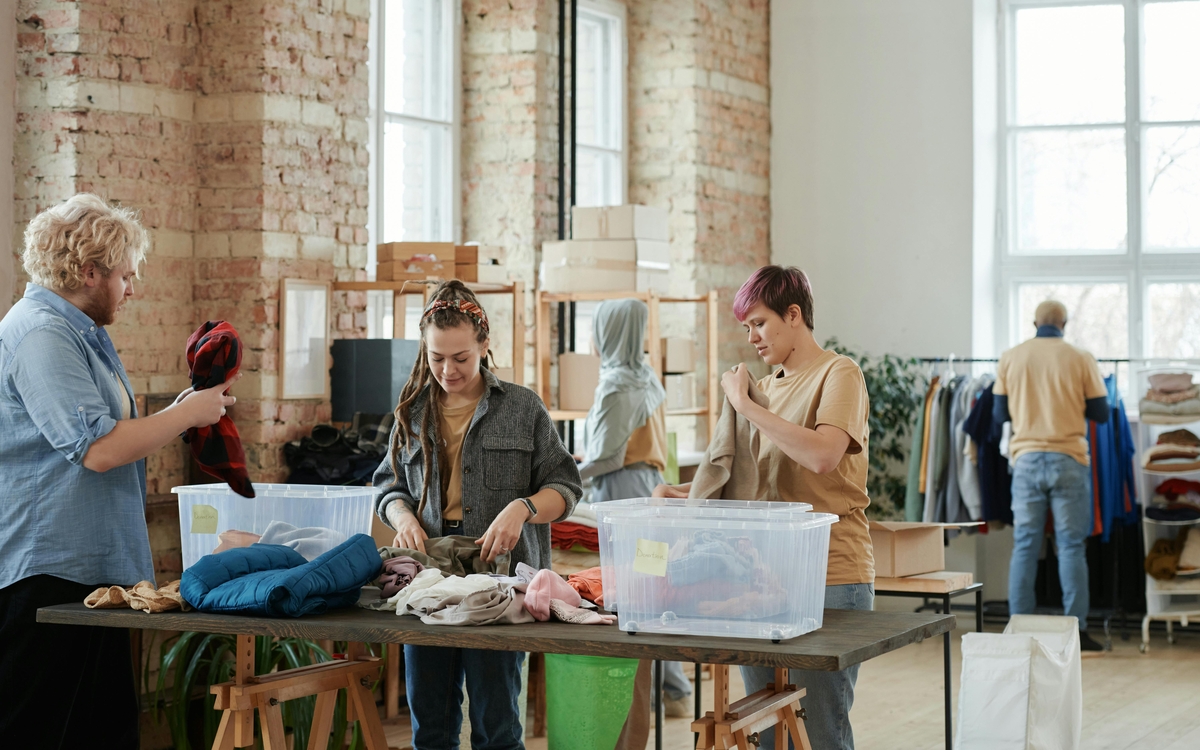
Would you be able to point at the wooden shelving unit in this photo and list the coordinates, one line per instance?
(653, 346)
(401, 288)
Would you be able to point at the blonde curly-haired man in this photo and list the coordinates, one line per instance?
(72, 503)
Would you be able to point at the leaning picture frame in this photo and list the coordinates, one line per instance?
(304, 339)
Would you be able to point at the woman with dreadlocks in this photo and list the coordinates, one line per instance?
(471, 456)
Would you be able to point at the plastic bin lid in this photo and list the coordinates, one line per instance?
(698, 508)
(277, 490)
(759, 520)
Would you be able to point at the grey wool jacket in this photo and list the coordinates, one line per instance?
(511, 450)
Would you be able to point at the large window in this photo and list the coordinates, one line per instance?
(600, 104)
(414, 131)
(1101, 172)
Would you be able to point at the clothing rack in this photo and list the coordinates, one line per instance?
(1117, 610)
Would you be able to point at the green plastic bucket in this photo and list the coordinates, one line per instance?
(587, 700)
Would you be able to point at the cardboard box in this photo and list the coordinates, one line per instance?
(681, 391)
(578, 376)
(482, 273)
(605, 266)
(630, 222)
(905, 548)
(679, 355)
(493, 254)
(401, 251)
(392, 271)
(398, 270)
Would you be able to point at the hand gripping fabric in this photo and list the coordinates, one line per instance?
(214, 354)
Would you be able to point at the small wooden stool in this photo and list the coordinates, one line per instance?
(733, 725)
(239, 699)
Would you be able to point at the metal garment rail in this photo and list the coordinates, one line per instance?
(1116, 610)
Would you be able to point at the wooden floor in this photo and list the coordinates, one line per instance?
(1131, 701)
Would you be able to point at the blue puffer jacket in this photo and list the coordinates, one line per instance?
(273, 580)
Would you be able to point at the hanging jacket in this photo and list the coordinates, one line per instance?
(995, 483)
(273, 580)
(1114, 488)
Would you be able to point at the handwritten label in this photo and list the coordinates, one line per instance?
(204, 519)
(651, 557)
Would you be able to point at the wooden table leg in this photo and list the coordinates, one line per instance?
(271, 717)
(368, 715)
(322, 724)
(797, 730)
(243, 721)
(536, 709)
(391, 691)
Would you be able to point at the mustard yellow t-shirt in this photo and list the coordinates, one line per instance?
(1048, 383)
(829, 391)
(648, 443)
(452, 428)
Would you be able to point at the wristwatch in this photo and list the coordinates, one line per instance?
(533, 511)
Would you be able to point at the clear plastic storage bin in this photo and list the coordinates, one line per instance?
(732, 568)
(310, 519)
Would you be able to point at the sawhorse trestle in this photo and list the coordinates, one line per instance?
(735, 725)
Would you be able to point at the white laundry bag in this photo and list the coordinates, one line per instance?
(1022, 689)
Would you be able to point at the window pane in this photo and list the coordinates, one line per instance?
(589, 89)
(1070, 65)
(1171, 61)
(416, 183)
(1071, 191)
(1172, 185)
(597, 183)
(1097, 315)
(416, 53)
(1173, 326)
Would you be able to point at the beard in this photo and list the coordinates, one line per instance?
(101, 306)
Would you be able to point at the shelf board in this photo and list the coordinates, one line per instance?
(1168, 419)
(1157, 522)
(1158, 473)
(697, 412)
(559, 415)
(415, 287)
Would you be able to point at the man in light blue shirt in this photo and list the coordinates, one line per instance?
(73, 478)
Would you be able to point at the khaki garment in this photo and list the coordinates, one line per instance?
(729, 470)
(648, 443)
(452, 428)
(929, 396)
(141, 596)
(1048, 383)
(829, 391)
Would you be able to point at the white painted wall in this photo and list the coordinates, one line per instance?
(8, 115)
(871, 167)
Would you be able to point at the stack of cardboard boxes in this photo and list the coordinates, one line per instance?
(418, 261)
(614, 249)
(679, 364)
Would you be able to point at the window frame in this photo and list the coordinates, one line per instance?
(614, 12)
(1134, 266)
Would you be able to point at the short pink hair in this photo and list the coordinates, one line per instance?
(778, 288)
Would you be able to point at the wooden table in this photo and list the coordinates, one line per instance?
(847, 638)
(943, 586)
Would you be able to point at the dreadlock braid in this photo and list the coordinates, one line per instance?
(442, 316)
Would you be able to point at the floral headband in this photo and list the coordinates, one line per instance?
(470, 309)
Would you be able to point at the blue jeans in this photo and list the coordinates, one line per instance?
(1062, 484)
(830, 694)
(434, 679)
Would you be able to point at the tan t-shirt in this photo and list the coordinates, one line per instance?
(452, 428)
(648, 443)
(829, 391)
(1048, 383)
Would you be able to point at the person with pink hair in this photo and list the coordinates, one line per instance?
(814, 450)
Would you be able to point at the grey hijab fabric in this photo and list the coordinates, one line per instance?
(629, 390)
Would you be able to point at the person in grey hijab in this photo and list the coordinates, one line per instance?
(624, 435)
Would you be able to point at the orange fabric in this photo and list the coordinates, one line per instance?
(589, 584)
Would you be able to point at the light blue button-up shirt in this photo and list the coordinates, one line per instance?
(62, 387)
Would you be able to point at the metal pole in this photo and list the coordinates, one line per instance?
(562, 114)
(574, 105)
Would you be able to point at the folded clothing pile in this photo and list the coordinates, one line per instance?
(274, 580)
(1169, 557)
(1171, 395)
(568, 535)
(1175, 500)
(1178, 450)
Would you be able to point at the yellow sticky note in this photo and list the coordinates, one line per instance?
(650, 557)
(204, 519)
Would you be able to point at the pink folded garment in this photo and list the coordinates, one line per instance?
(398, 572)
(1169, 382)
(547, 585)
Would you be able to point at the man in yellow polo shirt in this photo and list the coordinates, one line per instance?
(1048, 388)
